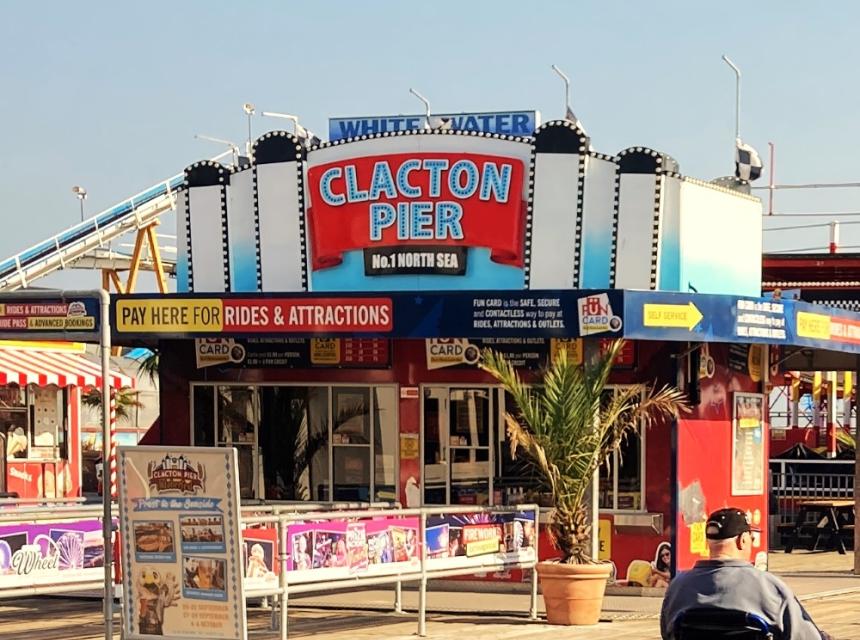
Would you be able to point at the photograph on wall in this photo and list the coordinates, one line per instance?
(748, 465)
(204, 578)
(154, 541)
(258, 554)
(202, 532)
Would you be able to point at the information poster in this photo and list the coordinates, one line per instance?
(748, 463)
(182, 552)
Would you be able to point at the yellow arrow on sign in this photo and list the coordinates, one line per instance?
(685, 316)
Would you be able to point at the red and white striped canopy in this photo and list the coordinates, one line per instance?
(43, 368)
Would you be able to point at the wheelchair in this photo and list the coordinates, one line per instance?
(721, 624)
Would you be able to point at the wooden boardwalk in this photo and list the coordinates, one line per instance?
(79, 619)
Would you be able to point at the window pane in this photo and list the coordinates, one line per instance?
(285, 416)
(13, 396)
(435, 467)
(385, 440)
(351, 415)
(470, 417)
(15, 426)
(237, 414)
(204, 416)
(351, 472)
(606, 488)
(470, 470)
(630, 473)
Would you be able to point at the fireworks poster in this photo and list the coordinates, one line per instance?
(480, 539)
(183, 560)
(51, 553)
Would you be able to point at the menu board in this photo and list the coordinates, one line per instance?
(182, 552)
(748, 465)
(299, 353)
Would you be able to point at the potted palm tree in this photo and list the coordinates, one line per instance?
(565, 427)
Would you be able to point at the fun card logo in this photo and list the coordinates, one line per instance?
(450, 352)
(595, 315)
(176, 474)
(214, 351)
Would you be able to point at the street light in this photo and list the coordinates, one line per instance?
(234, 147)
(249, 110)
(300, 131)
(426, 102)
(737, 95)
(81, 195)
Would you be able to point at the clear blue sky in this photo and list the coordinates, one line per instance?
(110, 95)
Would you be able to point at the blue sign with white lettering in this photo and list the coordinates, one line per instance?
(511, 123)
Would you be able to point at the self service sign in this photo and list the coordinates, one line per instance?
(412, 213)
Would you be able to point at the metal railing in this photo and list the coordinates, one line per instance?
(420, 574)
(795, 481)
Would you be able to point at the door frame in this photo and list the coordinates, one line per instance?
(496, 418)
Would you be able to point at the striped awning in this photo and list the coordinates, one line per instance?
(60, 368)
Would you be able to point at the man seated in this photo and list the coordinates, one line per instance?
(727, 580)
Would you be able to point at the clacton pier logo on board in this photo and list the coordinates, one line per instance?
(595, 315)
(176, 474)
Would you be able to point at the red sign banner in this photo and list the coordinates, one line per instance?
(307, 314)
(430, 199)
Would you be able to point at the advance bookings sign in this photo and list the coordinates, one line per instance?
(179, 518)
(417, 220)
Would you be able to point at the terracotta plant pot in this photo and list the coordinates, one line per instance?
(573, 593)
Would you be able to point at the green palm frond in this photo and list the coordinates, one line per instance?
(125, 400)
(565, 428)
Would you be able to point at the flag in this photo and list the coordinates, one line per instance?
(747, 162)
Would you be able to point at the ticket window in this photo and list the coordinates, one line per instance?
(459, 423)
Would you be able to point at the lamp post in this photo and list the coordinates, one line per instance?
(249, 110)
(81, 195)
(566, 80)
(426, 102)
(285, 116)
(737, 95)
(233, 147)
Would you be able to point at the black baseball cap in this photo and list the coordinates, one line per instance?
(727, 523)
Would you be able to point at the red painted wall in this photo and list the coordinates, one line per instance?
(705, 457)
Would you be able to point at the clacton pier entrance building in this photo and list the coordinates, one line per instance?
(334, 300)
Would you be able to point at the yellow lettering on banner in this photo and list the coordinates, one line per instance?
(697, 538)
(604, 538)
(325, 351)
(813, 325)
(572, 345)
(681, 316)
(46, 323)
(480, 547)
(163, 315)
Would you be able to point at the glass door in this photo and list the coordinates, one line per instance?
(459, 423)
(238, 420)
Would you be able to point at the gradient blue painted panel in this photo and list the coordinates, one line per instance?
(596, 256)
(243, 265)
(720, 274)
(481, 273)
(670, 259)
(182, 269)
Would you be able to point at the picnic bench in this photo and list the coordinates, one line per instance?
(833, 519)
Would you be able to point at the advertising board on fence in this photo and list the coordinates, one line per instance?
(336, 549)
(181, 550)
(37, 553)
(480, 539)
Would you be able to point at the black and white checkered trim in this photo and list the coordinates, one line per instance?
(643, 160)
(418, 132)
(276, 147)
(207, 173)
(562, 136)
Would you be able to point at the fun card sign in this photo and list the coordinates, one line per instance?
(182, 551)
